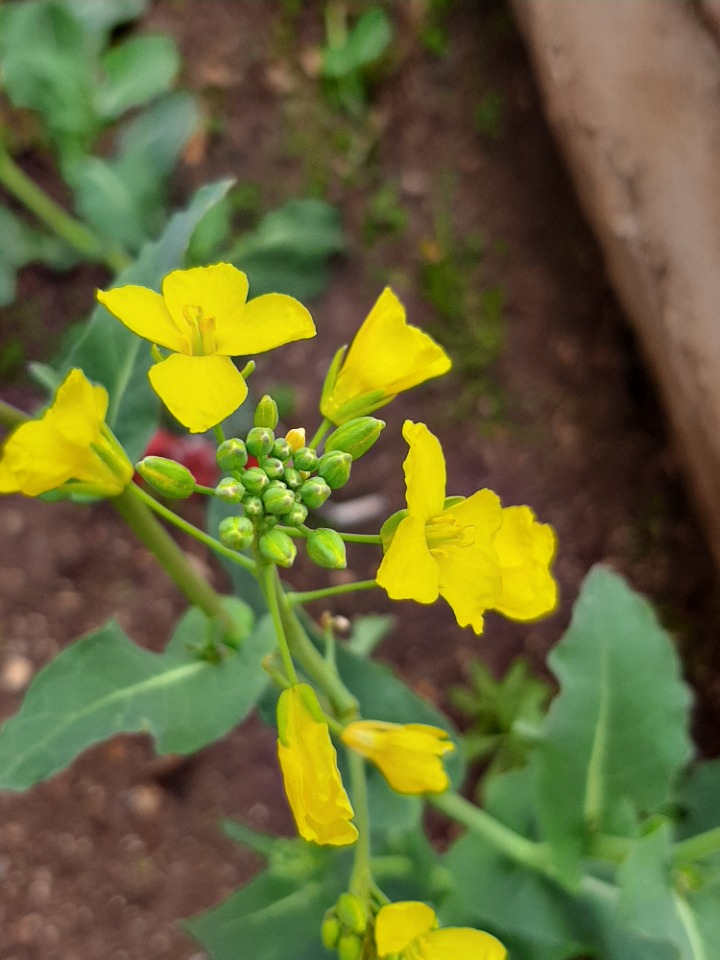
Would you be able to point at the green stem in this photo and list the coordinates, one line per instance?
(694, 848)
(604, 846)
(219, 434)
(320, 433)
(140, 519)
(505, 840)
(10, 416)
(53, 216)
(307, 596)
(270, 583)
(361, 876)
(242, 561)
(374, 538)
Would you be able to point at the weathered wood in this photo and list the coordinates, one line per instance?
(632, 91)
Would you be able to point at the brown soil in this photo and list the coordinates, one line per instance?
(102, 860)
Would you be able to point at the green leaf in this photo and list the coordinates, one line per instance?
(136, 72)
(699, 798)
(365, 43)
(289, 250)
(113, 356)
(103, 684)
(100, 16)
(616, 736)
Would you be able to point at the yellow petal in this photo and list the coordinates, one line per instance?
(387, 354)
(308, 761)
(424, 471)
(144, 312)
(8, 480)
(525, 549)
(219, 291)
(79, 408)
(200, 392)
(398, 924)
(460, 943)
(265, 323)
(407, 755)
(41, 459)
(408, 571)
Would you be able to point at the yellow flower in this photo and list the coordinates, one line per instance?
(472, 552)
(387, 356)
(202, 317)
(308, 761)
(408, 930)
(408, 755)
(69, 448)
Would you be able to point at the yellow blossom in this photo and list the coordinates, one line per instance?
(387, 356)
(408, 930)
(70, 448)
(471, 551)
(202, 317)
(408, 755)
(308, 761)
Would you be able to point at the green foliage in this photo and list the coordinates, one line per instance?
(350, 52)
(22, 245)
(505, 715)
(103, 684)
(385, 215)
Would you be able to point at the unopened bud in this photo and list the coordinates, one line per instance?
(351, 912)
(296, 438)
(273, 467)
(266, 413)
(330, 930)
(260, 441)
(334, 468)
(230, 490)
(278, 500)
(356, 436)
(282, 449)
(349, 947)
(253, 506)
(255, 480)
(326, 548)
(278, 547)
(296, 515)
(236, 532)
(292, 477)
(305, 458)
(167, 477)
(231, 455)
(314, 492)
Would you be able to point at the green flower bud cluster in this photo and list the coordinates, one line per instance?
(346, 927)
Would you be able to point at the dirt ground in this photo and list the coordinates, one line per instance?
(100, 862)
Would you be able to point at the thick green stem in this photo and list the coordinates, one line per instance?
(694, 848)
(505, 840)
(53, 216)
(307, 596)
(140, 519)
(361, 877)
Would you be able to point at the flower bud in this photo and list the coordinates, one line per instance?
(326, 548)
(349, 947)
(296, 515)
(230, 490)
(334, 468)
(356, 436)
(292, 477)
(273, 467)
(167, 477)
(278, 547)
(282, 449)
(314, 492)
(330, 930)
(236, 532)
(296, 438)
(253, 506)
(278, 500)
(255, 480)
(260, 441)
(266, 413)
(305, 459)
(352, 912)
(231, 455)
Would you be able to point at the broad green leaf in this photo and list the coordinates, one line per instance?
(110, 204)
(289, 250)
(366, 42)
(135, 72)
(100, 16)
(154, 138)
(103, 684)
(278, 914)
(699, 798)
(113, 356)
(616, 736)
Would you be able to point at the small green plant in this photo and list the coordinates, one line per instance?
(350, 54)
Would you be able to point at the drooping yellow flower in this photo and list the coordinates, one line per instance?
(472, 552)
(70, 448)
(387, 356)
(308, 761)
(203, 318)
(408, 930)
(407, 755)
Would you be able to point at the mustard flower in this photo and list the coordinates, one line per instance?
(202, 317)
(70, 448)
(407, 755)
(308, 761)
(472, 552)
(408, 930)
(387, 356)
